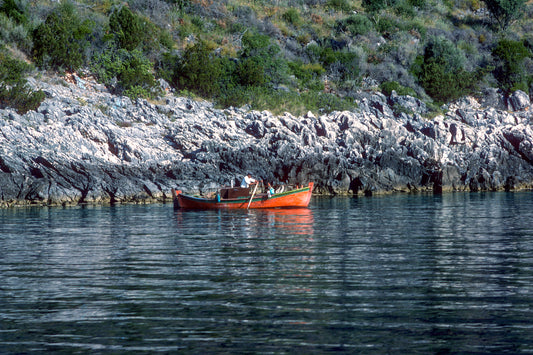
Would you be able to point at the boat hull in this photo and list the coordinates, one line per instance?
(293, 198)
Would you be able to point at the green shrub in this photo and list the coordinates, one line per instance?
(166, 40)
(12, 70)
(444, 85)
(127, 28)
(233, 96)
(14, 11)
(404, 8)
(327, 56)
(348, 64)
(342, 64)
(339, 5)
(16, 34)
(137, 91)
(136, 72)
(265, 54)
(14, 91)
(131, 70)
(388, 25)
(313, 52)
(197, 22)
(388, 86)
(60, 41)
(307, 74)
(356, 24)
(504, 12)
(181, 4)
(227, 81)
(417, 3)
(199, 70)
(292, 16)
(509, 71)
(377, 5)
(440, 71)
(165, 66)
(250, 73)
(20, 97)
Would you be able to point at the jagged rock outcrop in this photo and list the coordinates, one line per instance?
(84, 145)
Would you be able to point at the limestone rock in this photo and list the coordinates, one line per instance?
(84, 145)
(519, 100)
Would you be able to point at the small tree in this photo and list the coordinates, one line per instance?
(440, 71)
(259, 49)
(199, 70)
(127, 28)
(509, 71)
(60, 41)
(504, 12)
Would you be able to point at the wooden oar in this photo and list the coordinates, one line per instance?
(253, 193)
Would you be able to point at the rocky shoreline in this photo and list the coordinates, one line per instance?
(84, 145)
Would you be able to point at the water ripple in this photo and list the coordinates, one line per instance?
(394, 274)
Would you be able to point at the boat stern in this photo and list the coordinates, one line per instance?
(175, 198)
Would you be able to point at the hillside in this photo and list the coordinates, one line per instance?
(295, 56)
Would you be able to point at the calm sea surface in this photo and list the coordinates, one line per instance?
(402, 274)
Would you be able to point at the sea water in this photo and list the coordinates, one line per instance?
(399, 274)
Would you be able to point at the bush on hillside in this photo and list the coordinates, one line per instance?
(419, 3)
(308, 74)
(346, 66)
(126, 73)
(440, 71)
(509, 71)
(339, 5)
(505, 12)
(404, 9)
(165, 66)
(15, 34)
(377, 5)
(355, 24)
(60, 41)
(292, 16)
(199, 71)
(265, 54)
(14, 92)
(340, 65)
(14, 11)
(20, 97)
(127, 28)
(389, 86)
(249, 73)
(11, 70)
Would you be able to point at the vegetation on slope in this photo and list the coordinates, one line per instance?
(281, 55)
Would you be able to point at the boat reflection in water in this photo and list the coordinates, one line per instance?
(244, 250)
(258, 223)
(291, 220)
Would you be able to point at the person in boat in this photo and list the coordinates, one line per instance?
(270, 190)
(248, 180)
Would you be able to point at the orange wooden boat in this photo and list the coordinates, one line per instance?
(243, 198)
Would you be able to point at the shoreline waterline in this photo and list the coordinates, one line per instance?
(168, 200)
